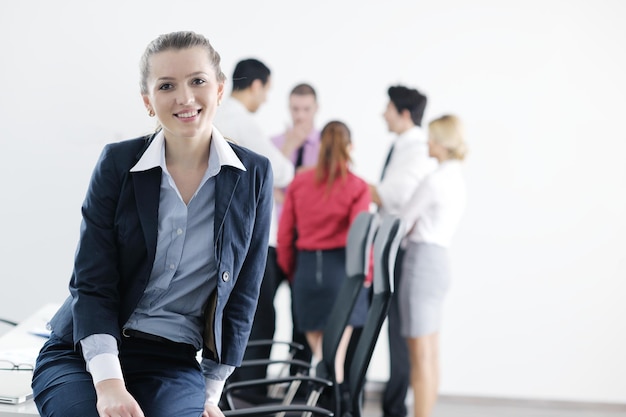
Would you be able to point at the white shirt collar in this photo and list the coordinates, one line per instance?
(220, 154)
(414, 133)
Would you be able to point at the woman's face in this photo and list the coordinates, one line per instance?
(184, 92)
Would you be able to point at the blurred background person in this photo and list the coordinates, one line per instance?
(300, 142)
(251, 82)
(320, 205)
(407, 164)
(433, 214)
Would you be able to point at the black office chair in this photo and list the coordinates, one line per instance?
(386, 245)
(283, 388)
(385, 253)
(261, 410)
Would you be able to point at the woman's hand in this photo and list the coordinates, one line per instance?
(279, 196)
(211, 410)
(115, 401)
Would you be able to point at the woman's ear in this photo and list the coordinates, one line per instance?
(146, 102)
(220, 93)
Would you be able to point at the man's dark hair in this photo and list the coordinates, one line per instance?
(247, 71)
(410, 99)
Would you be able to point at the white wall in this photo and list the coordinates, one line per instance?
(536, 308)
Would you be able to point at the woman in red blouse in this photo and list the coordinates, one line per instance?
(320, 205)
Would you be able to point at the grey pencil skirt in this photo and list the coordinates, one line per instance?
(424, 283)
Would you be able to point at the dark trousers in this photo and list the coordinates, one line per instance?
(264, 324)
(399, 366)
(164, 378)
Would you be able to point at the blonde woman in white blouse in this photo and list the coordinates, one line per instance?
(433, 213)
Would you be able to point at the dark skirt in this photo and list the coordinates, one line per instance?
(318, 278)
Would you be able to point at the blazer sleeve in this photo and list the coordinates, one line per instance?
(241, 306)
(95, 279)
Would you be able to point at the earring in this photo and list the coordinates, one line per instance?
(219, 101)
(150, 112)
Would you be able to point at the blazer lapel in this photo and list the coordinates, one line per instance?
(147, 193)
(225, 185)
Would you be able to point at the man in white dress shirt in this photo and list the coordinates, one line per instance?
(235, 117)
(235, 120)
(406, 166)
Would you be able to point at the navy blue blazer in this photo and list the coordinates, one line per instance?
(118, 240)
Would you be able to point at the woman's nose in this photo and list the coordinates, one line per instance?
(184, 96)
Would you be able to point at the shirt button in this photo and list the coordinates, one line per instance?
(225, 276)
(179, 232)
(172, 266)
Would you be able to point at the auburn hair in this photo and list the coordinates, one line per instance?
(334, 155)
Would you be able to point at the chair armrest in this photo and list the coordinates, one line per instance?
(240, 385)
(274, 409)
(266, 342)
(264, 362)
(271, 381)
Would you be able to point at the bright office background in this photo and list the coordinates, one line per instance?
(536, 308)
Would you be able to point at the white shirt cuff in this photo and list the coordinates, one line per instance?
(213, 391)
(105, 366)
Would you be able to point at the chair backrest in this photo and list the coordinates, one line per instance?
(386, 244)
(358, 252)
(358, 247)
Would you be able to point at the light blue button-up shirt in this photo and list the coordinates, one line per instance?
(184, 272)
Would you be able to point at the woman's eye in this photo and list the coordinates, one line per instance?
(198, 81)
(165, 86)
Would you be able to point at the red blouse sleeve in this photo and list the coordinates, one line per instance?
(362, 200)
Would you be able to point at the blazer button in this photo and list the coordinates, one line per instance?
(225, 276)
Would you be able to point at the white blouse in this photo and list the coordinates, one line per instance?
(437, 205)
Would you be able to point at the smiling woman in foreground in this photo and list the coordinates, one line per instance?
(170, 259)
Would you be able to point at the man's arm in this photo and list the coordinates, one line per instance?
(374, 194)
